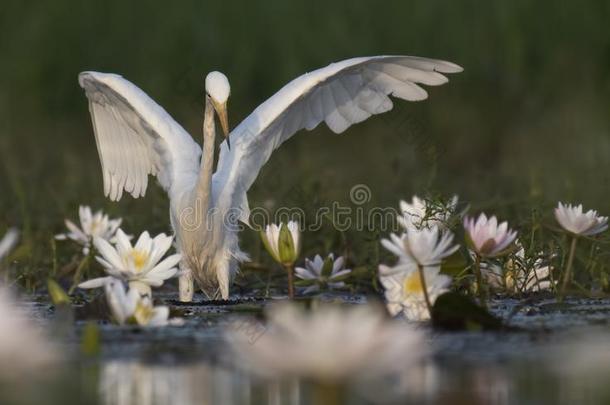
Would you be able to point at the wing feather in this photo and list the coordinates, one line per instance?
(136, 137)
(341, 94)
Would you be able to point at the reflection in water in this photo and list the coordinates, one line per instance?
(137, 383)
(536, 381)
(569, 370)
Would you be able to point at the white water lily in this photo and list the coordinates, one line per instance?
(574, 220)
(323, 273)
(516, 278)
(97, 225)
(404, 291)
(422, 214)
(24, 349)
(8, 242)
(140, 265)
(332, 344)
(487, 238)
(425, 246)
(413, 285)
(283, 242)
(129, 307)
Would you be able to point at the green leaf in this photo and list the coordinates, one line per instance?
(453, 311)
(57, 294)
(454, 264)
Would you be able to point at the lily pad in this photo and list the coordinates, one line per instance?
(453, 311)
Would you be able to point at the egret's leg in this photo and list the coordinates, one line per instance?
(223, 276)
(186, 286)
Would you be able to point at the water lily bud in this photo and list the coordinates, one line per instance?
(57, 294)
(282, 242)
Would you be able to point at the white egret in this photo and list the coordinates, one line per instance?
(136, 138)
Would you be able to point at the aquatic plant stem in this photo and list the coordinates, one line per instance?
(267, 284)
(78, 274)
(424, 287)
(289, 270)
(54, 251)
(567, 276)
(480, 286)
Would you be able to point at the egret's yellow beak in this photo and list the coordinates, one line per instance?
(221, 110)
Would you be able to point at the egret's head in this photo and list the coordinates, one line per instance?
(218, 89)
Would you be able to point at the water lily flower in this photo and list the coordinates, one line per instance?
(577, 223)
(425, 246)
(97, 225)
(404, 290)
(515, 277)
(8, 242)
(422, 214)
(129, 307)
(140, 265)
(574, 220)
(332, 344)
(423, 250)
(24, 349)
(283, 243)
(487, 238)
(322, 273)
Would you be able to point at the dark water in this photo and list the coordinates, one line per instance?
(560, 355)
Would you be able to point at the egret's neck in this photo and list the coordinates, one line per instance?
(204, 184)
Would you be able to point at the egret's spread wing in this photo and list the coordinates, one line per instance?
(136, 137)
(340, 94)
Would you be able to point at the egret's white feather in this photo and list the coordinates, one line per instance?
(341, 94)
(136, 137)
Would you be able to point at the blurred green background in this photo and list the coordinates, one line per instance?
(527, 123)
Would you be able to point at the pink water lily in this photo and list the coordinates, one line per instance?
(574, 220)
(486, 237)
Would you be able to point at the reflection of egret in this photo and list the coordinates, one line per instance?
(136, 137)
(138, 383)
